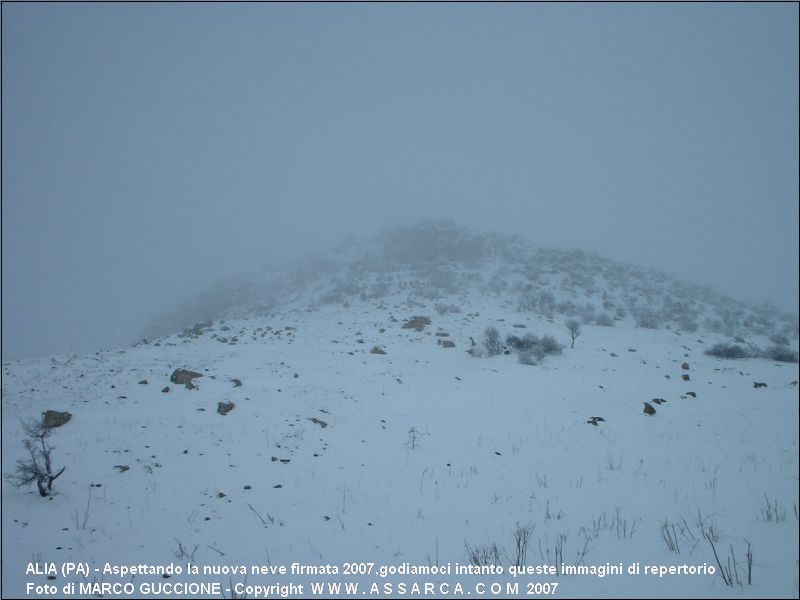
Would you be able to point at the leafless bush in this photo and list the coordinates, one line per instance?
(38, 466)
(574, 328)
(413, 437)
(603, 320)
(780, 354)
(483, 555)
(491, 341)
(522, 536)
(723, 350)
(444, 309)
(182, 553)
(530, 357)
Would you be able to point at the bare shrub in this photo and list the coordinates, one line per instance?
(491, 341)
(779, 339)
(574, 328)
(646, 318)
(532, 349)
(531, 356)
(522, 536)
(550, 345)
(780, 354)
(444, 309)
(603, 320)
(723, 350)
(483, 555)
(38, 466)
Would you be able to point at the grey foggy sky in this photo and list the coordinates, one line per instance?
(151, 149)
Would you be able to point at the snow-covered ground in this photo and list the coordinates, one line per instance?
(427, 453)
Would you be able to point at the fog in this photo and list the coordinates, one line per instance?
(150, 150)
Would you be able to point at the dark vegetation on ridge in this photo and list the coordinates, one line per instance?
(439, 262)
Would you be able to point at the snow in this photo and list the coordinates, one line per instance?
(427, 450)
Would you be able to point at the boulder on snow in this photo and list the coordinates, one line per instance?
(417, 323)
(54, 418)
(224, 408)
(648, 409)
(184, 376)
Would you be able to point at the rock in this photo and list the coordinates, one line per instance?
(658, 400)
(595, 420)
(692, 394)
(166, 389)
(685, 377)
(319, 422)
(377, 350)
(648, 409)
(143, 382)
(224, 408)
(416, 323)
(184, 376)
(122, 468)
(54, 418)
(757, 384)
(236, 382)
(685, 366)
(447, 343)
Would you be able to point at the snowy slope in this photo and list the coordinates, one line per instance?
(427, 452)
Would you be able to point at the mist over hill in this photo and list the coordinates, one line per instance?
(439, 261)
(430, 396)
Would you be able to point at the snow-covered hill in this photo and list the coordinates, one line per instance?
(437, 260)
(424, 455)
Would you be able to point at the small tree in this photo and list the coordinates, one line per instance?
(491, 341)
(574, 330)
(38, 467)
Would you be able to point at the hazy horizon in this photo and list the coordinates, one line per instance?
(150, 150)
